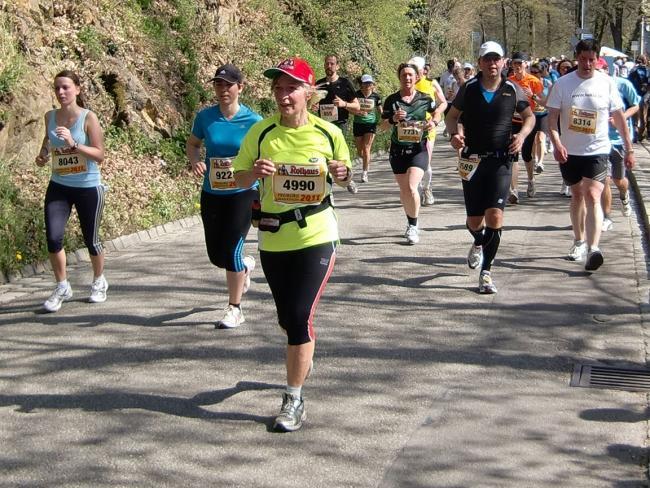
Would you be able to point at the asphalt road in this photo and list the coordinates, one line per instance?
(419, 381)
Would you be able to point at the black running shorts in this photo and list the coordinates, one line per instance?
(578, 167)
(489, 187)
(359, 130)
(403, 157)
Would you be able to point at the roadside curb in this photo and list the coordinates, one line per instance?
(118, 244)
(639, 187)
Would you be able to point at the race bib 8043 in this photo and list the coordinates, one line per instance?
(68, 162)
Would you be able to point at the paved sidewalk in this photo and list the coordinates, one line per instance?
(419, 381)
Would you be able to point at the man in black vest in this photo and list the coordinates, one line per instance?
(487, 104)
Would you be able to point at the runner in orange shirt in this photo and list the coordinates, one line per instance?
(532, 88)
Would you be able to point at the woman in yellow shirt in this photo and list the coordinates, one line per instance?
(296, 157)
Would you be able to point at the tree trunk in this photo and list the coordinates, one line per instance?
(616, 25)
(504, 26)
(531, 32)
(548, 32)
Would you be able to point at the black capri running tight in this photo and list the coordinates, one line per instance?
(226, 221)
(89, 203)
(297, 280)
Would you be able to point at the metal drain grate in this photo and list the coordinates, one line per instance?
(611, 377)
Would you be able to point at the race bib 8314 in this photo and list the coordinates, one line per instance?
(583, 120)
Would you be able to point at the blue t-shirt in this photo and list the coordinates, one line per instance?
(630, 98)
(488, 95)
(222, 138)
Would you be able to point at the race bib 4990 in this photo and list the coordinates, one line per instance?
(299, 183)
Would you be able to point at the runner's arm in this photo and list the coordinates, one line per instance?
(193, 152)
(44, 153)
(451, 122)
(95, 148)
(441, 102)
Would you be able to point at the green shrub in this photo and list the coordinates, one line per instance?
(12, 66)
(22, 228)
(92, 41)
(172, 151)
(136, 140)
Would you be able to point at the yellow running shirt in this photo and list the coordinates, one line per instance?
(304, 153)
(425, 86)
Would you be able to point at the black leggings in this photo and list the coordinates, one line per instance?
(89, 203)
(527, 147)
(226, 221)
(297, 280)
(489, 187)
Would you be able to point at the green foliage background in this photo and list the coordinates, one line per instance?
(172, 46)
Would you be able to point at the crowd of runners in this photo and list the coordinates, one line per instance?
(277, 173)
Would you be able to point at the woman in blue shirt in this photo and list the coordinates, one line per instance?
(74, 143)
(225, 208)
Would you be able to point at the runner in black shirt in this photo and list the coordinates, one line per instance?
(340, 97)
(487, 103)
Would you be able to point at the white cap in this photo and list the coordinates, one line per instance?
(418, 61)
(468, 66)
(490, 47)
(367, 79)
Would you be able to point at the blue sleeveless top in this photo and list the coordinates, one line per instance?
(86, 179)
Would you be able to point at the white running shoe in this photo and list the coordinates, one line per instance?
(530, 191)
(249, 262)
(412, 234)
(352, 187)
(98, 290)
(514, 197)
(59, 295)
(364, 177)
(625, 201)
(539, 168)
(292, 414)
(485, 284)
(564, 189)
(475, 256)
(427, 197)
(232, 317)
(608, 224)
(578, 251)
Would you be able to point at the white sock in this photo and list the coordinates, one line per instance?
(295, 391)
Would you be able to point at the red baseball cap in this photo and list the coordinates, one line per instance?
(297, 68)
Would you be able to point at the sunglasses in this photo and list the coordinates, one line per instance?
(534, 72)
